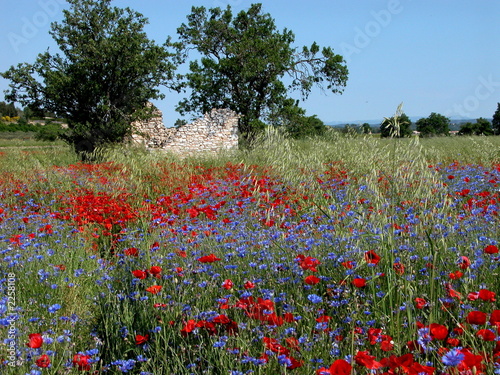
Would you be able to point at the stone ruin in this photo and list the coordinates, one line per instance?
(216, 131)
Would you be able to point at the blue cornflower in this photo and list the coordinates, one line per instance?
(314, 298)
(52, 309)
(453, 357)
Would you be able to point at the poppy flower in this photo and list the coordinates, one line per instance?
(438, 331)
(43, 361)
(455, 275)
(227, 284)
(359, 282)
(208, 259)
(476, 317)
(139, 339)
(308, 263)
(464, 262)
(155, 271)
(420, 303)
(36, 340)
(365, 359)
(81, 362)
(491, 249)
(140, 274)
(249, 285)
(486, 334)
(372, 257)
(349, 264)
(399, 268)
(339, 367)
(495, 318)
(132, 251)
(312, 280)
(154, 289)
(487, 295)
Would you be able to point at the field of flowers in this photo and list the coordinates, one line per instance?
(349, 257)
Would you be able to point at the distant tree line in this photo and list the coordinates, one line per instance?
(436, 124)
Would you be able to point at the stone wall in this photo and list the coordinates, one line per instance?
(217, 130)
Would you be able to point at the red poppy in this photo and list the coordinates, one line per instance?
(455, 275)
(372, 257)
(420, 303)
(154, 289)
(487, 295)
(140, 274)
(249, 285)
(188, 327)
(438, 331)
(365, 359)
(43, 361)
(274, 346)
(464, 262)
(491, 249)
(349, 264)
(476, 317)
(132, 251)
(81, 362)
(486, 334)
(339, 367)
(308, 263)
(399, 268)
(495, 318)
(312, 280)
(139, 339)
(155, 271)
(227, 284)
(359, 282)
(208, 259)
(36, 340)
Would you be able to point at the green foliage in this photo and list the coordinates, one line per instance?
(366, 128)
(495, 123)
(480, 127)
(435, 124)
(107, 72)
(293, 121)
(244, 61)
(8, 110)
(396, 127)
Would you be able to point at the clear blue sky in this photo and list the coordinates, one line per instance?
(434, 55)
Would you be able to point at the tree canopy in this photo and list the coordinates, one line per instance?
(495, 122)
(396, 127)
(107, 71)
(244, 62)
(435, 124)
(480, 127)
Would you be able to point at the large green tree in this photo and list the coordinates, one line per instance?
(495, 122)
(100, 82)
(245, 62)
(435, 124)
(480, 127)
(396, 127)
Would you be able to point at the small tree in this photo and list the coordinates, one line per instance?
(435, 124)
(244, 62)
(366, 128)
(495, 123)
(480, 127)
(396, 127)
(107, 72)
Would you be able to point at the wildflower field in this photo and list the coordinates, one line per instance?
(336, 256)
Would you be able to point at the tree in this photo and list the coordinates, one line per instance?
(8, 110)
(366, 128)
(435, 124)
(495, 123)
(396, 126)
(480, 127)
(293, 120)
(244, 60)
(101, 83)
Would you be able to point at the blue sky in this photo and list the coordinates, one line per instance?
(433, 55)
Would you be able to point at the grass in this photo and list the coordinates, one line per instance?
(252, 261)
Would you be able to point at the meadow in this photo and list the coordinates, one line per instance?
(340, 255)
